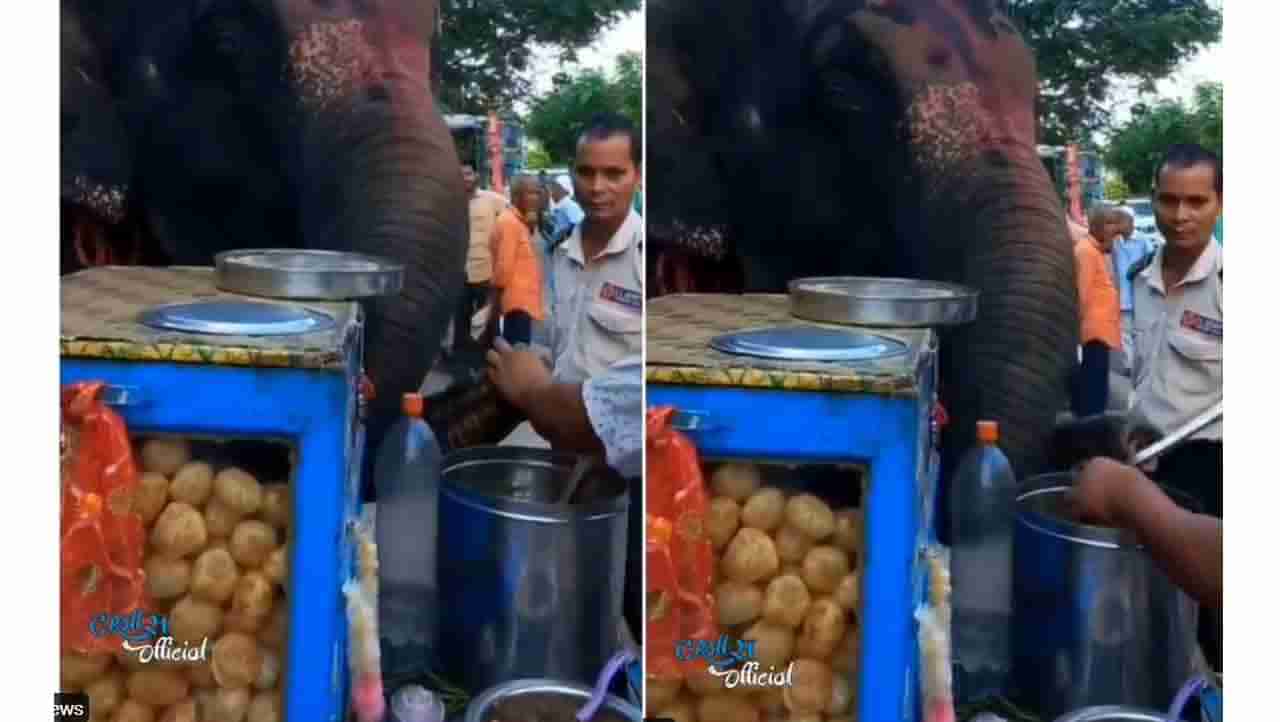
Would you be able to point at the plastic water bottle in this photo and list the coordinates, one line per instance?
(407, 478)
(983, 492)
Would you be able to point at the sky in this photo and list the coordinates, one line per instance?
(1208, 65)
(628, 35)
(624, 36)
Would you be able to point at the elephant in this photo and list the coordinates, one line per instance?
(192, 128)
(870, 137)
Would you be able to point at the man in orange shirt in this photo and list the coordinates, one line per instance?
(1099, 310)
(517, 272)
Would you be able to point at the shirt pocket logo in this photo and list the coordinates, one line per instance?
(621, 297)
(1196, 346)
(612, 318)
(1203, 324)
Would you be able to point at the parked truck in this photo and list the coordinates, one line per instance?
(471, 138)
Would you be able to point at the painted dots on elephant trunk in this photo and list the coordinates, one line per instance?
(328, 60)
(946, 128)
(108, 202)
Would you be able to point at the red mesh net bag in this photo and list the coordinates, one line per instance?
(102, 538)
(678, 550)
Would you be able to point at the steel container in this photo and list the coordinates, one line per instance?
(480, 707)
(1095, 622)
(308, 274)
(882, 302)
(1112, 713)
(529, 588)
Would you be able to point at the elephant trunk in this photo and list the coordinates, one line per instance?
(381, 176)
(1013, 364)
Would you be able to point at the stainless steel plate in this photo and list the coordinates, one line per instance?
(808, 343)
(236, 318)
(308, 275)
(882, 302)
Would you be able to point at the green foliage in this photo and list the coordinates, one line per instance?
(1208, 110)
(1117, 189)
(485, 47)
(1137, 146)
(629, 85)
(1083, 47)
(557, 118)
(538, 158)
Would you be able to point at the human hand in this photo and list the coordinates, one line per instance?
(1106, 492)
(1112, 435)
(516, 373)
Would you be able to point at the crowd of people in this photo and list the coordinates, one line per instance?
(1151, 315)
(567, 253)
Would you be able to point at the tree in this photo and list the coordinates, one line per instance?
(1085, 47)
(484, 47)
(629, 85)
(538, 158)
(1116, 188)
(1137, 146)
(556, 118)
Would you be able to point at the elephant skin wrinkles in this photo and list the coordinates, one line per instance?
(895, 138)
(328, 60)
(204, 126)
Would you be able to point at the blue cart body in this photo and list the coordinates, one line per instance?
(878, 415)
(311, 404)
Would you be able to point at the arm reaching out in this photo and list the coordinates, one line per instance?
(1186, 546)
(556, 411)
(601, 415)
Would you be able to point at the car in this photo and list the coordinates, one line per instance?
(1144, 218)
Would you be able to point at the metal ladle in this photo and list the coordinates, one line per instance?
(1180, 434)
(580, 470)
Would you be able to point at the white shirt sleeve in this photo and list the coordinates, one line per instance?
(614, 407)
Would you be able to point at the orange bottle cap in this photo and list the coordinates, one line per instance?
(988, 432)
(411, 404)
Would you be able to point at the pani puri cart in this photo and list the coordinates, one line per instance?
(183, 360)
(842, 412)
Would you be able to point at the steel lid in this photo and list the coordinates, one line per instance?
(808, 343)
(236, 318)
(290, 273)
(882, 302)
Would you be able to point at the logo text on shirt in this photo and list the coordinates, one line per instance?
(1196, 322)
(622, 296)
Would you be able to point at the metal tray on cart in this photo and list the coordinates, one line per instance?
(882, 302)
(296, 274)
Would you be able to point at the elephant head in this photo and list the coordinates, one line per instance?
(875, 137)
(198, 127)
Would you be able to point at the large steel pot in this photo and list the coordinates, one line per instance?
(480, 707)
(1095, 622)
(529, 588)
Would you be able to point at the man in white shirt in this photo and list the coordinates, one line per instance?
(589, 401)
(597, 304)
(1177, 335)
